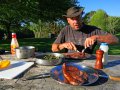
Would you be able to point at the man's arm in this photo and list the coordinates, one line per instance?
(108, 38)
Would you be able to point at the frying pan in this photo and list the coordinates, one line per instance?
(77, 56)
(56, 74)
(43, 61)
(114, 78)
(104, 75)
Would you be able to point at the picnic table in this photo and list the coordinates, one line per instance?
(20, 82)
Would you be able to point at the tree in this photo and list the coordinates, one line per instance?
(13, 12)
(113, 25)
(88, 16)
(99, 19)
(50, 10)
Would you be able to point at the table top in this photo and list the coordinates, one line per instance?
(20, 83)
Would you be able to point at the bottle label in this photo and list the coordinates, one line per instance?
(105, 58)
(13, 49)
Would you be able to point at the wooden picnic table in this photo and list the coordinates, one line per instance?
(20, 83)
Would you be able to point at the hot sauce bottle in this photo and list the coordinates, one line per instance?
(99, 56)
(14, 43)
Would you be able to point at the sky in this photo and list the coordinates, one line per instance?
(111, 7)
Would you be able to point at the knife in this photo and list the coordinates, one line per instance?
(39, 76)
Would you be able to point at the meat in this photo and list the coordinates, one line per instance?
(77, 74)
(67, 76)
(74, 75)
(76, 55)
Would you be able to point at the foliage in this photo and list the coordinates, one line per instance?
(50, 10)
(99, 19)
(88, 16)
(42, 29)
(13, 12)
(113, 24)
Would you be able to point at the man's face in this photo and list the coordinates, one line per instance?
(75, 22)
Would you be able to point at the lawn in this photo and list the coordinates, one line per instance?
(44, 45)
(41, 44)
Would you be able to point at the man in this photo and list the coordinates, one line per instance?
(77, 35)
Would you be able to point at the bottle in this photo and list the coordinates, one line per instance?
(104, 47)
(14, 43)
(99, 56)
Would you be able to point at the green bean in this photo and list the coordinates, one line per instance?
(50, 57)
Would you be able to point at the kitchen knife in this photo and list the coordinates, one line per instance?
(45, 75)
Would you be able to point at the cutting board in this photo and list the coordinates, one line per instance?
(15, 69)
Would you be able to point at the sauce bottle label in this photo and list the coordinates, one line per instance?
(13, 49)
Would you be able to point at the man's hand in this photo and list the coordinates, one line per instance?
(68, 45)
(90, 41)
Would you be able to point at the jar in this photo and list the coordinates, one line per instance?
(104, 47)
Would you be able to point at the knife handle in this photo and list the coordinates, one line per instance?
(115, 78)
(39, 76)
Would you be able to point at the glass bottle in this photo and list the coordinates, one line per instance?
(99, 56)
(14, 43)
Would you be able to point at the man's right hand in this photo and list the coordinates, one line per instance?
(68, 45)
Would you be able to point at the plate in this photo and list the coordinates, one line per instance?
(56, 73)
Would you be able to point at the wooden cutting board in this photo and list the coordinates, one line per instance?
(15, 69)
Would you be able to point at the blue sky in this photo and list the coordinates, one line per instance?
(111, 7)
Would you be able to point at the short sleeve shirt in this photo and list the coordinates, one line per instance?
(67, 34)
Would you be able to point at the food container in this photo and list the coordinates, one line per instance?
(49, 59)
(25, 52)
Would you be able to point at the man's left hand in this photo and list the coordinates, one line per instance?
(90, 41)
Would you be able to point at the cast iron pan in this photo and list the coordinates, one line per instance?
(77, 56)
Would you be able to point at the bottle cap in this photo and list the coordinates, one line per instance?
(13, 35)
(104, 44)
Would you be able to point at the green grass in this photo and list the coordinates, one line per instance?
(44, 45)
(113, 49)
